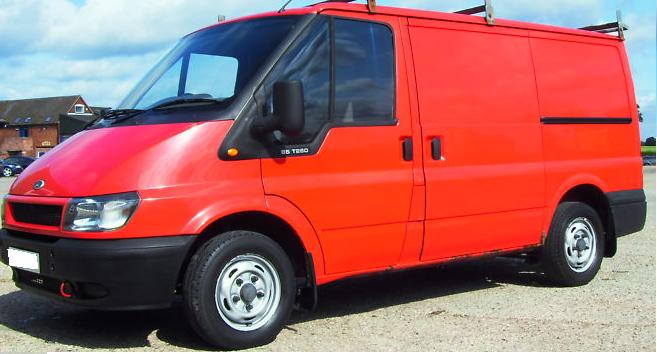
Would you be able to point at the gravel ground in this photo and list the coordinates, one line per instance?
(499, 305)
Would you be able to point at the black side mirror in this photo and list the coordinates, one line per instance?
(289, 112)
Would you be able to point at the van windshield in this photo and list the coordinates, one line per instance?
(211, 66)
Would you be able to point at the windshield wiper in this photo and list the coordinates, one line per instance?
(115, 115)
(118, 113)
(126, 114)
(186, 100)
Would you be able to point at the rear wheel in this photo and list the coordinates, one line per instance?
(239, 290)
(7, 172)
(574, 249)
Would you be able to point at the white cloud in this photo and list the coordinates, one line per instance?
(105, 28)
(100, 49)
(647, 100)
(641, 35)
(101, 81)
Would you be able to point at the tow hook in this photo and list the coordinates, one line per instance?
(66, 289)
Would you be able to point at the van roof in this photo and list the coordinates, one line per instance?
(425, 14)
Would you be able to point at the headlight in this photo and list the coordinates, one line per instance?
(104, 213)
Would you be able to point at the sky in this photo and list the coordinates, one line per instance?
(101, 48)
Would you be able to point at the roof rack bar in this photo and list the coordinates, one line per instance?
(486, 8)
(371, 4)
(610, 27)
(472, 10)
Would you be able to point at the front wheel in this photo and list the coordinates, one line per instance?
(7, 172)
(239, 290)
(573, 251)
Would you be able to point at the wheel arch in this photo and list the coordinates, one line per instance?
(283, 223)
(592, 194)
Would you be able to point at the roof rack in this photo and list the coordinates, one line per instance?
(371, 4)
(486, 8)
(610, 27)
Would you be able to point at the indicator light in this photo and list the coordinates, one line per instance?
(232, 152)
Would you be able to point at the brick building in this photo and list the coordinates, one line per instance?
(31, 127)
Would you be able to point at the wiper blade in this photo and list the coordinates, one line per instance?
(126, 114)
(121, 115)
(115, 115)
(183, 100)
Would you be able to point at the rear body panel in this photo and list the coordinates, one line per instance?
(589, 84)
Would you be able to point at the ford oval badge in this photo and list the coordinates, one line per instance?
(39, 184)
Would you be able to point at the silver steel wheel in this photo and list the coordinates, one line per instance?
(579, 244)
(248, 292)
(7, 172)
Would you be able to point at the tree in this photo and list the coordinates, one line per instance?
(650, 141)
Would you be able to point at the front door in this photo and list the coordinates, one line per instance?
(346, 172)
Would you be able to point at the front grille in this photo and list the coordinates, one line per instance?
(49, 215)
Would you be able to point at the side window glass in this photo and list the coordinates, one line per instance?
(364, 73)
(308, 62)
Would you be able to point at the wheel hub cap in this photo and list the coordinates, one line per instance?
(579, 244)
(248, 292)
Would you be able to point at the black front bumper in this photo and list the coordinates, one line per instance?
(103, 274)
(628, 211)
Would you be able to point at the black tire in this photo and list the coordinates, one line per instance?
(553, 254)
(201, 279)
(7, 172)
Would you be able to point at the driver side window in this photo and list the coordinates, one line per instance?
(347, 69)
(309, 62)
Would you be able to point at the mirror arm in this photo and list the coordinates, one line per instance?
(265, 125)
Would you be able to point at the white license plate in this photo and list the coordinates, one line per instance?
(25, 260)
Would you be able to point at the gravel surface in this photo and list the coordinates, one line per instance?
(500, 305)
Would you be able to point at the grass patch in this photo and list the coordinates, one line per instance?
(647, 150)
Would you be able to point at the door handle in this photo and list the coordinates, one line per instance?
(407, 148)
(436, 149)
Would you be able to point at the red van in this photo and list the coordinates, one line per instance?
(268, 155)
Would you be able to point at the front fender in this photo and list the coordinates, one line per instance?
(273, 205)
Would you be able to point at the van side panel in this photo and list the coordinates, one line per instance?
(588, 81)
(477, 94)
(579, 79)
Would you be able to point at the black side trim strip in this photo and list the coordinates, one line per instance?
(587, 120)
